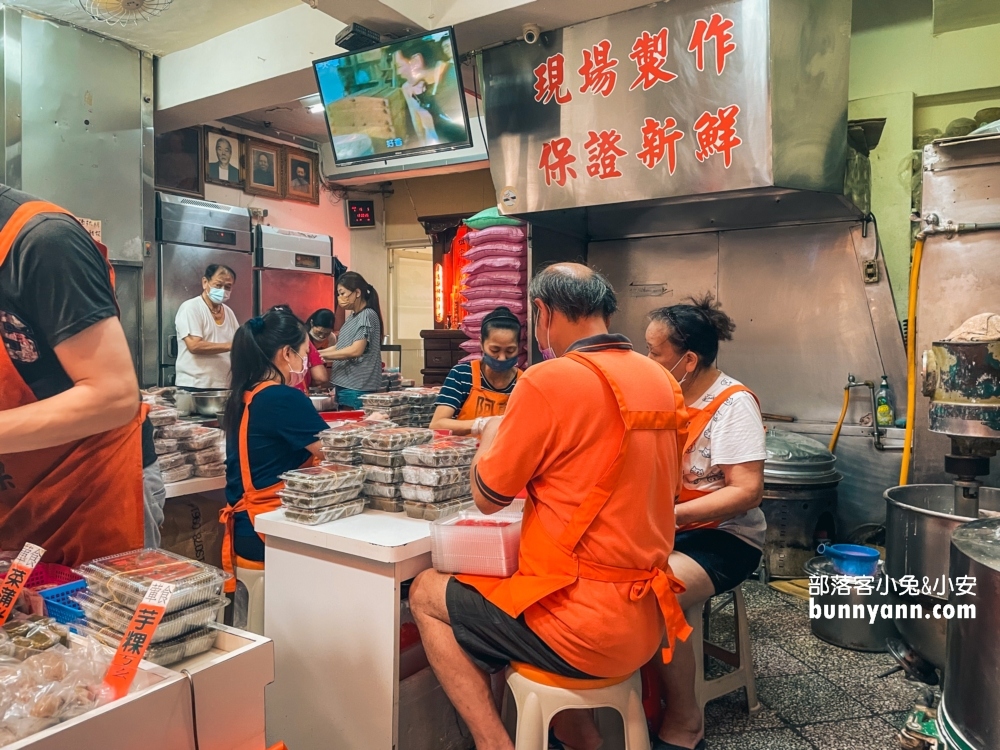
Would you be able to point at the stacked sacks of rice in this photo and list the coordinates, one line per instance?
(496, 275)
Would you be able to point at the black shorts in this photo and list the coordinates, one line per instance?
(726, 558)
(493, 639)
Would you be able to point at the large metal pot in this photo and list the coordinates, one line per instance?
(972, 677)
(859, 634)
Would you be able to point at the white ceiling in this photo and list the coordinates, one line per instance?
(184, 24)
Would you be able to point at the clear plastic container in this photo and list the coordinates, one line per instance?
(377, 489)
(325, 478)
(210, 470)
(164, 446)
(213, 455)
(170, 652)
(380, 401)
(389, 459)
(477, 544)
(126, 577)
(178, 474)
(397, 414)
(338, 456)
(200, 439)
(171, 461)
(387, 504)
(434, 511)
(160, 416)
(441, 453)
(106, 613)
(417, 397)
(314, 516)
(313, 500)
(433, 494)
(347, 435)
(397, 438)
(177, 430)
(430, 477)
(384, 474)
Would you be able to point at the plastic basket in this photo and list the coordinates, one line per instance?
(487, 548)
(62, 582)
(63, 610)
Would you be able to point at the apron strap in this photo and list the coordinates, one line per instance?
(699, 418)
(244, 446)
(20, 218)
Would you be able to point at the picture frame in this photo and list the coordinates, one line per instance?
(264, 174)
(301, 175)
(225, 161)
(177, 162)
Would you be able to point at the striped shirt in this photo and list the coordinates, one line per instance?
(365, 372)
(458, 386)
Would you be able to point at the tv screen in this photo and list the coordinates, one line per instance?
(397, 99)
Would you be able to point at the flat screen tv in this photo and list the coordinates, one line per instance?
(397, 99)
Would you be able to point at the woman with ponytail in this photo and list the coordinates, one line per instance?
(355, 361)
(271, 428)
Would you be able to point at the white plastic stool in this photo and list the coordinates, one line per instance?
(741, 658)
(254, 582)
(539, 696)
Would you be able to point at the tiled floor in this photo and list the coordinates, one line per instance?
(815, 696)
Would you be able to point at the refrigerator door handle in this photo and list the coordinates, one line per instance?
(172, 346)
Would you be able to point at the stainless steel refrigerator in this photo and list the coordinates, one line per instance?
(191, 235)
(294, 269)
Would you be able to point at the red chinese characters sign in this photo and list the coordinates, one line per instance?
(556, 160)
(550, 77)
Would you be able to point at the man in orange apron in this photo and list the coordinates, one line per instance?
(70, 421)
(596, 437)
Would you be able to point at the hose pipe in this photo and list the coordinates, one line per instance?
(911, 360)
(840, 422)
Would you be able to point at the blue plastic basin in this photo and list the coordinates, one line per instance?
(851, 559)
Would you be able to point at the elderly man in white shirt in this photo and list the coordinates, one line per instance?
(205, 330)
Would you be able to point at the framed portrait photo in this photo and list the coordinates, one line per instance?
(264, 168)
(223, 158)
(301, 175)
(177, 162)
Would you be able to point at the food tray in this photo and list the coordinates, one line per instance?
(311, 501)
(170, 652)
(434, 494)
(338, 456)
(344, 436)
(384, 474)
(387, 504)
(473, 543)
(441, 454)
(177, 430)
(418, 397)
(396, 438)
(312, 517)
(434, 511)
(389, 459)
(177, 474)
(164, 446)
(200, 439)
(394, 413)
(321, 479)
(171, 461)
(126, 577)
(431, 477)
(105, 613)
(160, 416)
(377, 489)
(380, 401)
(210, 470)
(211, 455)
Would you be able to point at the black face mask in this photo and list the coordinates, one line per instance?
(499, 365)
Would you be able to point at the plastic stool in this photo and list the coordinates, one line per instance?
(741, 658)
(254, 582)
(540, 695)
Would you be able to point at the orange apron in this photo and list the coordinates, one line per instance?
(700, 419)
(481, 402)
(80, 500)
(547, 565)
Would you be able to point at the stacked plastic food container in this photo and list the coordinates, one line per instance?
(117, 584)
(382, 458)
(318, 494)
(186, 449)
(421, 402)
(436, 478)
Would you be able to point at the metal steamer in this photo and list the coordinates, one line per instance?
(857, 633)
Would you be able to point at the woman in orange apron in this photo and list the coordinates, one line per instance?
(475, 391)
(271, 428)
(720, 528)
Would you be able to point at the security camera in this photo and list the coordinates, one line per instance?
(531, 32)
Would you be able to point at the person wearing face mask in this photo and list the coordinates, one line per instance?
(355, 361)
(205, 330)
(720, 528)
(476, 391)
(321, 324)
(271, 428)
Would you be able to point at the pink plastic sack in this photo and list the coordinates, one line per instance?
(471, 346)
(506, 293)
(492, 303)
(471, 358)
(476, 320)
(496, 234)
(495, 263)
(497, 278)
(497, 250)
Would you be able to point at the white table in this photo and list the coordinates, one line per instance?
(195, 486)
(332, 595)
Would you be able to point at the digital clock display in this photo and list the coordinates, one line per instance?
(360, 214)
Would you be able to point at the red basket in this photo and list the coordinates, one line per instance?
(49, 574)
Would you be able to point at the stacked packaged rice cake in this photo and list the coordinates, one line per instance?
(392, 406)
(186, 449)
(318, 494)
(421, 403)
(436, 478)
(382, 460)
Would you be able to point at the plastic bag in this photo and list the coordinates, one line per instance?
(471, 346)
(496, 250)
(489, 277)
(501, 292)
(489, 304)
(500, 233)
(496, 263)
(475, 321)
(491, 217)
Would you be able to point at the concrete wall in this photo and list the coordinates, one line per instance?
(466, 192)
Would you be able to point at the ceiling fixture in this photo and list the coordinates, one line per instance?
(123, 12)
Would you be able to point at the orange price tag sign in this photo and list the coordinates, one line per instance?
(138, 636)
(17, 576)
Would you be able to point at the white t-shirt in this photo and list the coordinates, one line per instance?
(203, 370)
(734, 436)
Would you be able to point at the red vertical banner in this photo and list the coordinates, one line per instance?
(17, 576)
(138, 636)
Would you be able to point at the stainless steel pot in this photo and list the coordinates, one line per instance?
(210, 403)
(323, 403)
(859, 634)
(972, 676)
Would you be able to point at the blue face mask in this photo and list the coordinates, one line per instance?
(499, 365)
